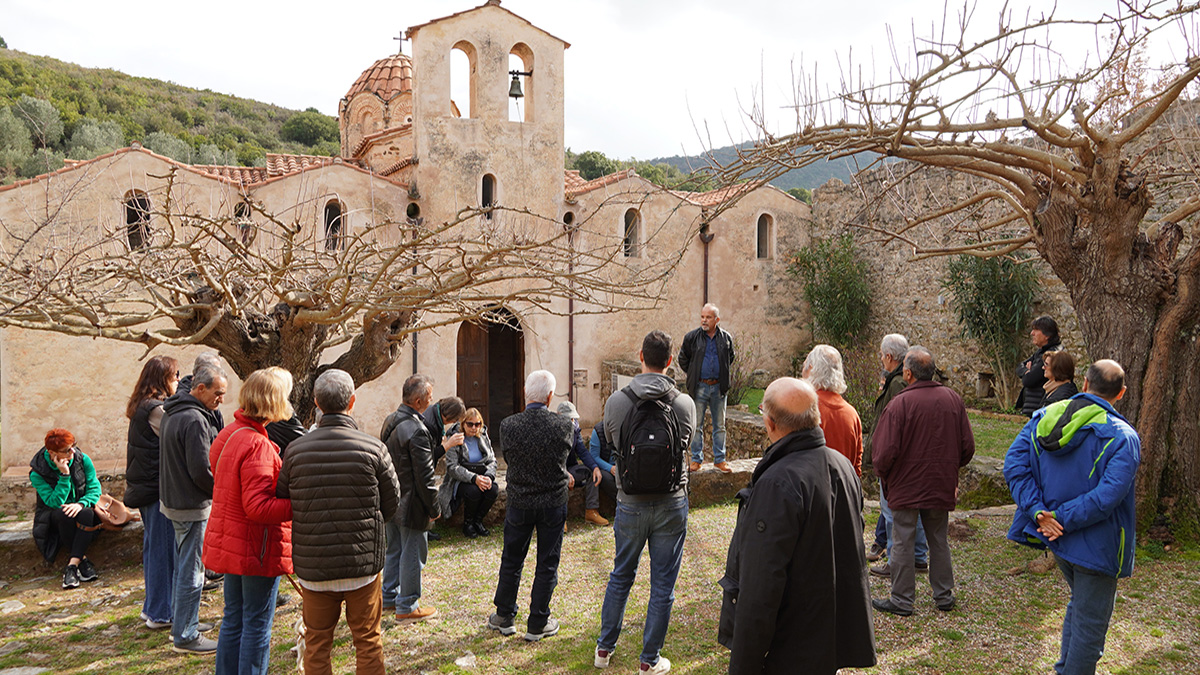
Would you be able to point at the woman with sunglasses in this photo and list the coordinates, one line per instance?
(470, 475)
(67, 490)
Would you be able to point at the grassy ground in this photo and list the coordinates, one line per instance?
(1006, 624)
(994, 433)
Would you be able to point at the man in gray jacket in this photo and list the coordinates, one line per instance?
(659, 520)
(343, 489)
(185, 494)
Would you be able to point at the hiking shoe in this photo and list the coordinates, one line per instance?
(213, 581)
(877, 551)
(593, 516)
(502, 624)
(948, 606)
(71, 577)
(157, 625)
(282, 599)
(87, 571)
(886, 605)
(693, 466)
(603, 656)
(551, 628)
(201, 645)
(884, 570)
(418, 614)
(662, 666)
(723, 467)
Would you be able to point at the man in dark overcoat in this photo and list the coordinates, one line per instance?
(795, 587)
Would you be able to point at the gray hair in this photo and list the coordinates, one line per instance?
(715, 310)
(416, 387)
(333, 390)
(894, 345)
(207, 360)
(207, 376)
(826, 369)
(919, 362)
(539, 385)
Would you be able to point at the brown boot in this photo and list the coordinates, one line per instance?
(593, 516)
(723, 467)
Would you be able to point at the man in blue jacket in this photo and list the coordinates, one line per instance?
(1071, 471)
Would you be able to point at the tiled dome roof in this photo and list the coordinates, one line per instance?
(385, 78)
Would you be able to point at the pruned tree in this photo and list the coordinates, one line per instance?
(263, 292)
(1030, 143)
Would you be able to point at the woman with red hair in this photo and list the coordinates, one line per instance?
(67, 490)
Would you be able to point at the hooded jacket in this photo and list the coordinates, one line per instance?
(616, 409)
(185, 478)
(1077, 459)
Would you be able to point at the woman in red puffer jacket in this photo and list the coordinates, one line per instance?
(249, 536)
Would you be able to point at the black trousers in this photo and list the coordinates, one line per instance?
(477, 502)
(70, 537)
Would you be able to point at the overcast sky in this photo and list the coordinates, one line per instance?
(641, 75)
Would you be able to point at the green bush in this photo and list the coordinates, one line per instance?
(837, 288)
(169, 146)
(40, 162)
(993, 301)
(15, 146)
(41, 118)
(309, 128)
(92, 139)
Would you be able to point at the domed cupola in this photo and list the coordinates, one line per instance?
(380, 99)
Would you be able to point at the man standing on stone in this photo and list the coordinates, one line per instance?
(1074, 492)
(536, 442)
(796, 597)
(921, 440)
(655, 519)
(187, 431)
(411, 447)
(343, 489)
(706, 355)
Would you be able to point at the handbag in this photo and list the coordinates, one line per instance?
(113, 514)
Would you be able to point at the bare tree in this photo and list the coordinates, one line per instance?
(263, 293)
(1098, 176)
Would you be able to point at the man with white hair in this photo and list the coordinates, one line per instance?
(536, 442)
(839, 420)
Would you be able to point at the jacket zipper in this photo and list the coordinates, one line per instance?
(262, 553)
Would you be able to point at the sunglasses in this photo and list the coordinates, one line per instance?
(472, 424)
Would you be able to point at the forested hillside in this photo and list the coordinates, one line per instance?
(51, 110)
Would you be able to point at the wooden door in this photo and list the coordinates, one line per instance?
(473, 367)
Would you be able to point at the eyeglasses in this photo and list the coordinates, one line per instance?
(472, 424)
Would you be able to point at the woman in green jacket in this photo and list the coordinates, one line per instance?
(67, 490)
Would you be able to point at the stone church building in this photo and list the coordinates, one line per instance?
(408, 151)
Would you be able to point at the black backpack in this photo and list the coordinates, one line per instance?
(651, 450)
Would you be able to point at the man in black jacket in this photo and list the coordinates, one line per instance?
(796, 595)
(536, 442)
(706, 355)
(185, 495)
(411, 448)
(343, 489)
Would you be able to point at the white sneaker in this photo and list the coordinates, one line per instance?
(662, 666)
(602, 657)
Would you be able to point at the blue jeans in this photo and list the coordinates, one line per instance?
(922, 546)
(189, 579)
(663, 525)
(1086, 622)
(244, 646)
(519, 526)
(407, 551)
(710, 398)
(158, 564)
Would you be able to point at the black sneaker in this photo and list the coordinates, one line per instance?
(502, 624)
(551, 628)
(213, 581)
(483, 531)
(87, 571)
(469, 531)
(434, 536)
(71, 577)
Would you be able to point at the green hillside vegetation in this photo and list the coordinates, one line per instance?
(51, 110)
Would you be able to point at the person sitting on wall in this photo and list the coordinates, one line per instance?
(1060, 377)
(585, 471)
(470, 475)
(601, 451)
(67, 491)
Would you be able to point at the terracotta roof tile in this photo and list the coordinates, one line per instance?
(242, 174)
(386, 78)
(572, 180)
(407, 161)
(596, 183)
(370, 139)
(75, 164)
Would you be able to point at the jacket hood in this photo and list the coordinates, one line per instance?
(181, 402)
(651, 385)
(1063, 425)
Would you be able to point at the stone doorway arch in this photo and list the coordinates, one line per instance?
(491, 367)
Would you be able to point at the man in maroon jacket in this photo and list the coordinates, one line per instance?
(921, 440)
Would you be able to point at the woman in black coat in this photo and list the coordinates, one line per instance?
(1060, 377)
(1044, 335)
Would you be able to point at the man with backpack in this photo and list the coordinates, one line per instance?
(649, 424)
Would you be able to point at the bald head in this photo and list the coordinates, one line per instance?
(1106, 379)
(919, 363)
(790, 405)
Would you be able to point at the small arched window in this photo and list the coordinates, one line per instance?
(488, 193)
(462, 79)
(520, 60)
(766, 236)
(633, 235)
(137, 220)
(335, 218)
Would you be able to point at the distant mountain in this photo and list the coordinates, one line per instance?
(809, 177)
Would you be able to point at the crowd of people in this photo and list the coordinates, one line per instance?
(349, 513)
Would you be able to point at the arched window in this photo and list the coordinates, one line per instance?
(462, 80)
(335, 232)
(766, 236)
(137, 219)
(488, 194)
(520, 59)
(633, 235)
